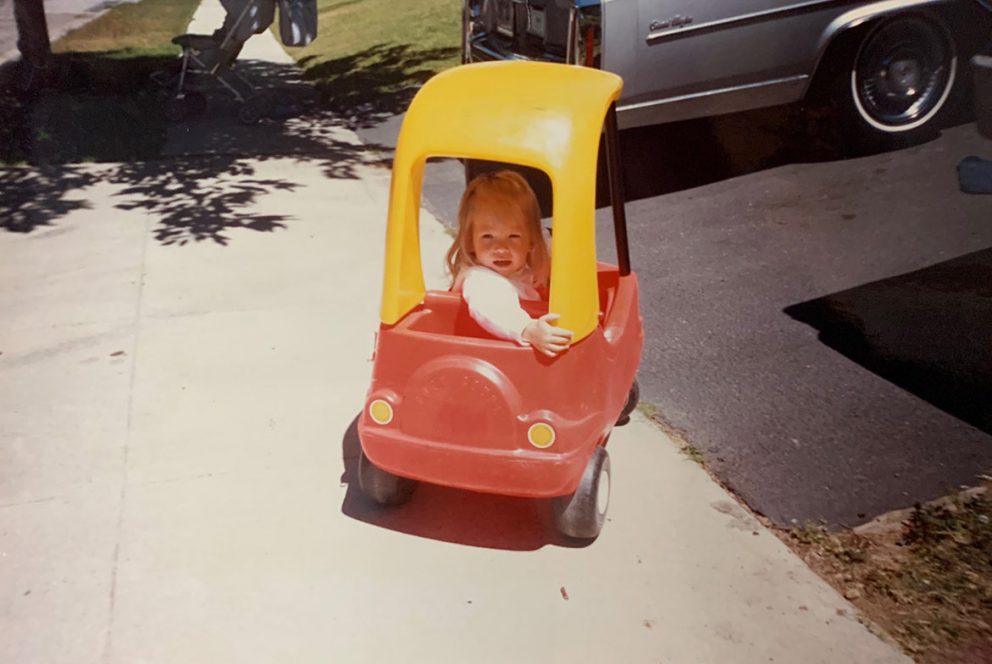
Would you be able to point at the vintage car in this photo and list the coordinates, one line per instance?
(452, 405)
(890, 67)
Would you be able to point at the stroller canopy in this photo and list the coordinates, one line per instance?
(297, 19)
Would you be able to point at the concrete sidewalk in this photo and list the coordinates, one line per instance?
(178, 452)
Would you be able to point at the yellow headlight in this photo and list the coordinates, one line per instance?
(381, 412)
(541, 435)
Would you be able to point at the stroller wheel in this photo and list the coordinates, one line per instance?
(196, 104)
(175, 109)
(252, 110)
(166, 77)
(188, 106)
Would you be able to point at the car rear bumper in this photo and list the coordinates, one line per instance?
(524, 473)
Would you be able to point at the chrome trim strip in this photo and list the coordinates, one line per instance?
(492, 54)
(722, 24)
(710, 93)
(466, 31)
(858, 15)
(573, 22)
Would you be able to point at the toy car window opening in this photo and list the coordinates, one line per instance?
(440, 320)
(464, 113)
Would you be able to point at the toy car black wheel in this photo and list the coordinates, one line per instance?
(632, 398)
(381, 486)
(581, 515)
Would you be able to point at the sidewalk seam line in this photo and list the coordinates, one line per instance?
(139, 306)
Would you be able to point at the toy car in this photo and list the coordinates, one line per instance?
(448, 403)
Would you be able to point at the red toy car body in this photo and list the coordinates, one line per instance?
(451, 405)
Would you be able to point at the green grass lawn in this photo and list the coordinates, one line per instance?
(370, 55)
(349, 27)
(141, 29)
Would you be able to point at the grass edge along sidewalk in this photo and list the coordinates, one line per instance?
(920, 577)
(923, 574)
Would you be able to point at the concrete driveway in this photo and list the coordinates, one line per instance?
(820, 331)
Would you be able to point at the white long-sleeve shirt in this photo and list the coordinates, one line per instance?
(494, 301)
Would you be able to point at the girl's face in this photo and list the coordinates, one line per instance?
(500, 240)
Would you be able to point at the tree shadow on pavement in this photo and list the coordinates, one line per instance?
(88, 107)
(890, 327)
(30, 198)
(195, 178)
(198, 199)
(191, 200)
(449, 515)
(370, 86)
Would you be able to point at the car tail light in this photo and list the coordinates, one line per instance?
(585, 35)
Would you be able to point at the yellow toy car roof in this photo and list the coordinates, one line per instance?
(546, 116)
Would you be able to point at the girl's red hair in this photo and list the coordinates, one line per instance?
(502, 188)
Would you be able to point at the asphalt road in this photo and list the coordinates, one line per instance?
(822, 332)
(819, 327)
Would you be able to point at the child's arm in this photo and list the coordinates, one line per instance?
(494, 303)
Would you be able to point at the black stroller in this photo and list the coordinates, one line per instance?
(212, 57)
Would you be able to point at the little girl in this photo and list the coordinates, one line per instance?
(500, 256)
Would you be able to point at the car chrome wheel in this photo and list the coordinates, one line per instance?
(903, 74)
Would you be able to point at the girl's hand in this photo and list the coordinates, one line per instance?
(545, 337)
